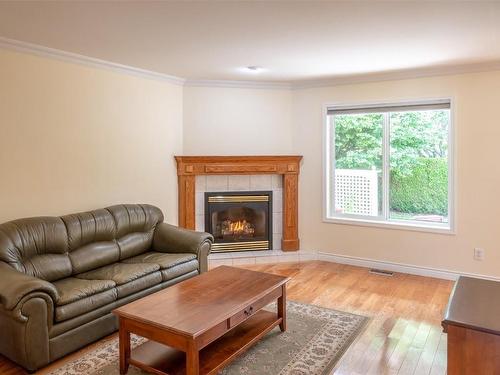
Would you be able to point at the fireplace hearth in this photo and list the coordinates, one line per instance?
(240, 220)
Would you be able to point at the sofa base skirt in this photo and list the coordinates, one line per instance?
(85, 334)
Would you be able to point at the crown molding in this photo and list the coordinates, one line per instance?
(35, 49)
(399, 75)
(442, 70)
(239, 84)
(395, 75)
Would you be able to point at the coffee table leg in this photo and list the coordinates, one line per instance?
(282, 308)
(192, 360)
(124, 337)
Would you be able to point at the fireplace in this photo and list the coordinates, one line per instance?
(239, 221)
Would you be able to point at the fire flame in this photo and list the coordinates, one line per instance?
(237, 226)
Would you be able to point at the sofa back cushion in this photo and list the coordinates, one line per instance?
(91, 240)
(36, 246)
(101, 237)
(135, 225)
(52, 248)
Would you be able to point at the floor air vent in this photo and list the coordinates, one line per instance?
(381, 272)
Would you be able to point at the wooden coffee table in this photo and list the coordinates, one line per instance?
(200, 325)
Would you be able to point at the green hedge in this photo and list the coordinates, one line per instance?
(424, 190)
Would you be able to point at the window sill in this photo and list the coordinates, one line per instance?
(398, 225)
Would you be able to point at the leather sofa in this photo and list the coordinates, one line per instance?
(60, 277)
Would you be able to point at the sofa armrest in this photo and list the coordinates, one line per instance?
(26, 317)
(171, 239)
(15, 285)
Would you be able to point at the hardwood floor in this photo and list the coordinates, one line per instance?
(404, 335)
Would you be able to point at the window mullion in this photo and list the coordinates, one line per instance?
(386, 166)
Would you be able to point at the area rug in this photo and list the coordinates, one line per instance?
(314, 341)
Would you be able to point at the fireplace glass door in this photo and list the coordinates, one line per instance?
(239, 221)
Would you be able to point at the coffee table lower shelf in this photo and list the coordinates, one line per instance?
(159, 359)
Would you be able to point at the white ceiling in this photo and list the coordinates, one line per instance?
(293, 41)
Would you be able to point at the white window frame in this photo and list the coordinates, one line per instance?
(371, 221)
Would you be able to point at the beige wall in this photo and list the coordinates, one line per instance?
(237, 121)
(75, 138)
(476, 98)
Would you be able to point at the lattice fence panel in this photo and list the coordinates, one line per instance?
(356, 192)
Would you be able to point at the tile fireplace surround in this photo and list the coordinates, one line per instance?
(197, 174)
(222, 183)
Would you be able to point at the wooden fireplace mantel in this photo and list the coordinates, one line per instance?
(286, 165)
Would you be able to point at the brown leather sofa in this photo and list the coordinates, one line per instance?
(60, 277)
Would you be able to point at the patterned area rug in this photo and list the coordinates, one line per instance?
(315, 340)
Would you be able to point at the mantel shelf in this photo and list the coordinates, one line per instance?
(286, 165)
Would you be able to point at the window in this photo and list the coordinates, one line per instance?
(390, 164)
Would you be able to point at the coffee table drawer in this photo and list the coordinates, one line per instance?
(249, 310)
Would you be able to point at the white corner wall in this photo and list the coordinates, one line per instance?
(237, 121)
(476, 99)
(74, 137)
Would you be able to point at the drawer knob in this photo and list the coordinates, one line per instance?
(249, 311)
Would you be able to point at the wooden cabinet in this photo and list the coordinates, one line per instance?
(472, 322)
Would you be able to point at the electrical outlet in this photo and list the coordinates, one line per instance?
(478, 253)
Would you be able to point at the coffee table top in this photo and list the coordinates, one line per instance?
(193, 306)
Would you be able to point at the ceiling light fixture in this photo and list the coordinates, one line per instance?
(253, 69)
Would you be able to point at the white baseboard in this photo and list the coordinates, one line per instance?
(399, 267)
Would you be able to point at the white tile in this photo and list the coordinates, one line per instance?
(239, 182)
(238, 254)
(212, 263)
(229, 254)
(266, 260)
(216, 183)
(200, 223)
(277, 200)
(214, 256)
(201, 183)
(277, 181)
(237, 261)
(262, 253)
(277, 223)
(261, 182)
(200, 203)
(288, 258)
(277, 241)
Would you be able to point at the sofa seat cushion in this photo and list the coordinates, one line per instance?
(179, 270)
(172, 265)
(72, 289)
(85, 305)
(120, 273)
(139, 284)
(164, 260)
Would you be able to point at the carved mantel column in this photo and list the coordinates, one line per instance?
(187, 200)
(290, 239)
(286, 165)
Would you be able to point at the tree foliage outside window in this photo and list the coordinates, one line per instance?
(416, 136)
(358, 141)
(418, 156)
